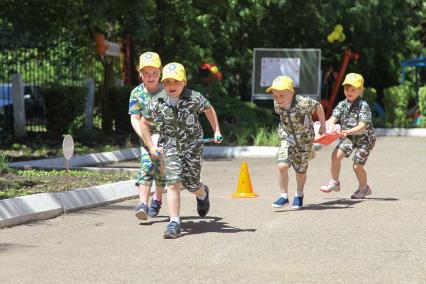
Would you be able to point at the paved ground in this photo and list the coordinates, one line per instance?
(381, 239)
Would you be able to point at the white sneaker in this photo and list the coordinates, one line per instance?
(330, 186)
(361, 193)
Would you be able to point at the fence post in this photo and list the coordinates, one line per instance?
(90, 87)
(106, 102)
(19, 119)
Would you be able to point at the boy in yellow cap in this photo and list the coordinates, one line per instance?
(182, 137)
(149, 70)
(296, 134)
(354, 116)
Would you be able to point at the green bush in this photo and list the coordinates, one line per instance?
(396, 102)
(240, 122)
(63, 105)
(119, 98)
(370, 96)
(422, 106)
(266, 137)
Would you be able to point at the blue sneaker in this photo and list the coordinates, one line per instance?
(155, 207)
(280, 202)
(172, 230)
(142, 211)
(297, 202)
(203, 206)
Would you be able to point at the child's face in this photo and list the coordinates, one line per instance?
(282, 97)
(352, 93)
(173, 87)
(150, 77)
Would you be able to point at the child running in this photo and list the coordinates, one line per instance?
(296, 134)
(182, 141)
(354, 115)
(149, 71)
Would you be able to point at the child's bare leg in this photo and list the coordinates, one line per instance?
(200, 192)
(283, 177)
(159, 192)
(300, 180)
(144, 193)
(173, 199)
(336, 159)
(361, 175)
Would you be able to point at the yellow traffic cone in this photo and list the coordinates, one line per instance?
(244, 188)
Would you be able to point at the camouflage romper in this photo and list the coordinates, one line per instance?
(181, 135)
(149, 168)
(349, 115)
(296, 132)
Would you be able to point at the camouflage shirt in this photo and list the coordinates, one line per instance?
(139, 98)
(350, 114)
(180, 127)
(296, 125)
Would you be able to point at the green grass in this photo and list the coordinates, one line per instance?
(24, 182)
(4, 163)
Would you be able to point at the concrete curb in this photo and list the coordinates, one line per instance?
(23, 209)
(41, 206)
(98, 195)
(240, 152)
(411, 132)
(82, 160)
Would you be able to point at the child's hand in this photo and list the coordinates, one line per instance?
(321, 130)
(345, 133)
(155, 152)
(218, 138)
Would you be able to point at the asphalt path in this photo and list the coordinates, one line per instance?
(334, 239)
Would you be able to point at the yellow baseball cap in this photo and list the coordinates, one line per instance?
(281, 83)
(354, 79)
(175, 71)
(149, 59)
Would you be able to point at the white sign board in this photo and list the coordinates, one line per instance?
(68, 147)
(273, 67)
(302, 65)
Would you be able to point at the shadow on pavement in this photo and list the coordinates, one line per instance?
(155, 220)
(209, 225)
(342, 203)
(11, 246)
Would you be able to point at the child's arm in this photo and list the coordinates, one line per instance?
(332, 120)
(212, 117)
(135, 122)
(146, 136)
(321, 116)
(355, 130)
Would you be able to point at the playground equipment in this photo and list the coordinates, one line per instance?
(417, 62)
(328, 104)
(210, 73)
(414, 62)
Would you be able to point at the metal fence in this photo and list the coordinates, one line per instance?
(42, 63)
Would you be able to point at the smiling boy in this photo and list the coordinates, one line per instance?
(354, 115)
(182, 140)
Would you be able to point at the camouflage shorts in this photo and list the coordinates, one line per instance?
(184, 167)
(362, 151)
(291, 155)
(149, 171)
